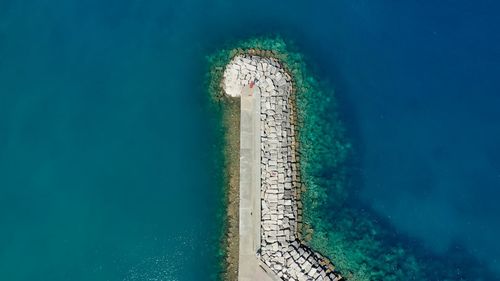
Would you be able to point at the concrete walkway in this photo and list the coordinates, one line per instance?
(250, 268)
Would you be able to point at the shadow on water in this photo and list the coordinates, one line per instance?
(456, 263)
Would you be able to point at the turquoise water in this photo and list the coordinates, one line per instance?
(105, 145)
(107, 160)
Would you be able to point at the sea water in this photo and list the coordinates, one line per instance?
(107, 157)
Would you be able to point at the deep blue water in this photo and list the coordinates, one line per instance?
(106, 159)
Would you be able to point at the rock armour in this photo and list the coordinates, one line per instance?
(281, 250)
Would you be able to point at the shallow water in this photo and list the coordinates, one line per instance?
(106, 146)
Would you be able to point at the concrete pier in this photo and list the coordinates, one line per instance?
(269, 176)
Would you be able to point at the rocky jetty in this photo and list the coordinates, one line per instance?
(281, 251)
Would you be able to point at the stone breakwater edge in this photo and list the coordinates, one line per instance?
(229, 110)
(263, 83)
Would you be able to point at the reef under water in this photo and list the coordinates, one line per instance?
(360, 244)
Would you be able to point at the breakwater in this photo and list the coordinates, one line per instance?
(270, 206)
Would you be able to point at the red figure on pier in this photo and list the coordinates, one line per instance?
(250, 86)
